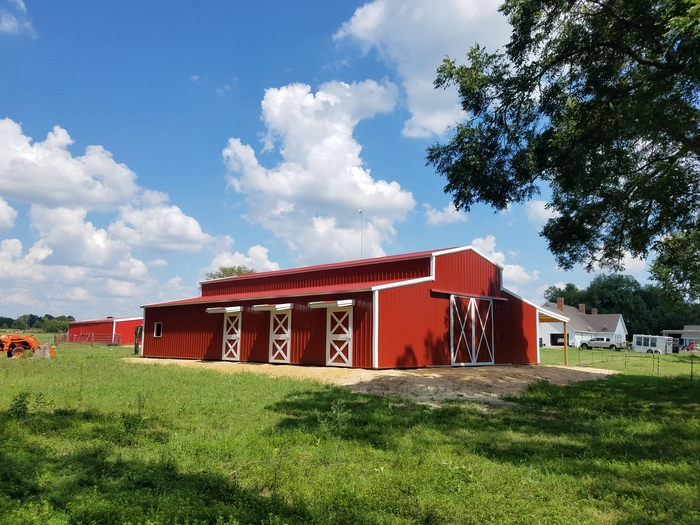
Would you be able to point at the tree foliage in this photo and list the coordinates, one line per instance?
(228, 271)
(677, 266)
(595, 100)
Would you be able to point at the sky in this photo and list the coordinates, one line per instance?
(144, 144)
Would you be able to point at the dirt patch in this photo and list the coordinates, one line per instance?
(422, 385)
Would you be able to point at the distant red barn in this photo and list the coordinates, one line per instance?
(110, 330)
(433, 308)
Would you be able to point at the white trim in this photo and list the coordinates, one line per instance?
(272, 307)
(225, 310)
(375, 329)
(399, 284)
(343, 303)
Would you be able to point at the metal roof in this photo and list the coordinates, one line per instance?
(586, 322)
(354, 287)
(353, 263)
(269, 295)
(107, 320)
(693, 331)
(342, 264)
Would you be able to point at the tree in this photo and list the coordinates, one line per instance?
(55, 325)
(677, 266)
(228, 271)
(645, 309)
(595, 100)
(570, 293)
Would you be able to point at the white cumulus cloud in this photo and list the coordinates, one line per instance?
(91, 227)
(14, 19)
(447, 215)
(311, 199)
(155, 225)
(513, 274)
(7, 215)
(537, 212)
(414, 36)
(46, 172)
(256, 259)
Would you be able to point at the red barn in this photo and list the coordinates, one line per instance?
(433, 308)
(110, 330)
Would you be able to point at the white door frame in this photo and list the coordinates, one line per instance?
(472, 331)
(280, 336)
(231, 350)
(339, 336)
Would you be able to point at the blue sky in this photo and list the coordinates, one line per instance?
(143, 144)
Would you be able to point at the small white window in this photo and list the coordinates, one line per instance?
(158, 330)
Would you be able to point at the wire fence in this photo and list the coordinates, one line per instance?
(681, 364)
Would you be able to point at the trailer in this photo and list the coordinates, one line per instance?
(652, 344)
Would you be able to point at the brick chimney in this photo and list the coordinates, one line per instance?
(560, 303)
(582, 308)
(594, 311)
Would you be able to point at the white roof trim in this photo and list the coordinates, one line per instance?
(224, 310)
(343, 303)
(272, 307)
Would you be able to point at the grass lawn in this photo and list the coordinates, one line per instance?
(88, 438)
(681, 364)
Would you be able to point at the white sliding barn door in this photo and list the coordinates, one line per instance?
(471, 331)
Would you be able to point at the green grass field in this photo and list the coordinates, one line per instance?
(90, 439)
(681, 364)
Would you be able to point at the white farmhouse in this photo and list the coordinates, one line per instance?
(581, 326)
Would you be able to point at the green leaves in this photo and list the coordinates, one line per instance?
(600, 101)
(228, 271)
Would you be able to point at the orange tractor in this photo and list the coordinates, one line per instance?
(15, 345)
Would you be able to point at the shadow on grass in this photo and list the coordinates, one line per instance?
(631, 437)
(98, 482)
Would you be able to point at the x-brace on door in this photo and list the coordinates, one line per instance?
(471, 331)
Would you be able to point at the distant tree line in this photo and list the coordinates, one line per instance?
(47, 323)
(647, 309)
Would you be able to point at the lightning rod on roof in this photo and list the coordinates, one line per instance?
(360, 233)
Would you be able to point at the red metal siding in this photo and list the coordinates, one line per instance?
(190, 332)
(413, 328)
(104, 330)
(100, 329)
(126, 329)
(516, 332)
(363, 272)
(468, 273)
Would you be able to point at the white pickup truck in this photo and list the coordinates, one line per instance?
(603, 342)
